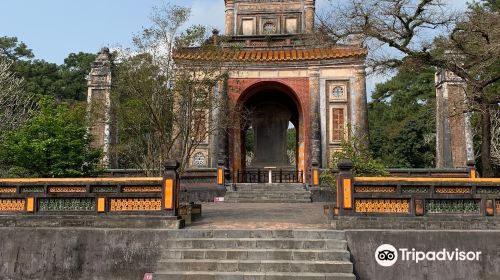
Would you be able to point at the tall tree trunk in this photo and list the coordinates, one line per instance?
(486, 163)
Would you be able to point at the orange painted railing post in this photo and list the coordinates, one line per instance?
(315, 174)
(221, 173)
(171, 188)
(471, 169)
(345, 200)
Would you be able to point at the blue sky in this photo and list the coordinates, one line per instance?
(56, 28)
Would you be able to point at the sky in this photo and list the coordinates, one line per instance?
(55, 28)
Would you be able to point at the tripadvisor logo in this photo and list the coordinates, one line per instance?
(387, 255)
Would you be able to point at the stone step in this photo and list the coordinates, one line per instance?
(256, 254)
(249, 200)
(273, 196)
(269, 192)
(290, 185)
(263, 188)
(255, 266)
(257, 233)
(212, 275)
(253, 243)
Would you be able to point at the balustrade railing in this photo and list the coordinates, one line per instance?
(412, 196)
(269, 176)
(131, 195)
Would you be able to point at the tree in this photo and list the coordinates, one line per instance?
(495, 136)
(65, 82)
(364, 164)
(15, 106)
(412, 32)
(12, 49)
(53, 143)
(72, 83)
(402, 123)
(164, 110)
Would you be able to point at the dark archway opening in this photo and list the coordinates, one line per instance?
(270, 132)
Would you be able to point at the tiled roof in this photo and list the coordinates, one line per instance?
(269, 55)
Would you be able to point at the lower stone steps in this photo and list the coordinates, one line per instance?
(211, 275)
(267, 193)
(255, 254)
(256, 243)
(252, 200)
(255, 265)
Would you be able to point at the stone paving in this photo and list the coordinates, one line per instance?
(261, 216)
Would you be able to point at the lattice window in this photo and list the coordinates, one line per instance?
(337, 92)
(337, 124)
(269, 28)
(199, 159)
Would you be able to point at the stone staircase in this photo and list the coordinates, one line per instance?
(271, 193)
(255, 254)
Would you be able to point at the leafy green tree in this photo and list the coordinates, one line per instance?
(402, 120)
(53, 143)
(364, 164)
(416, 33)
(40, 77)
(66, 81)
(12, 49)
(72, 82)
(163, 106)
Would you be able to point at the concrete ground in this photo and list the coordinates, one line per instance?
(261, 216)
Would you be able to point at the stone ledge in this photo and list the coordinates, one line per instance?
(92, 221)
(455, 222)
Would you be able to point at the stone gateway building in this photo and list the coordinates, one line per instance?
(285, 77)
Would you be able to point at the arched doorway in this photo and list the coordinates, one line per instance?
(270, 134)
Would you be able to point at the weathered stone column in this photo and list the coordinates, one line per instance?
(309, 11)
(230, 17)
(99, 105)
(361, 110)
(222, 123)
(314, 113)
(454, 145)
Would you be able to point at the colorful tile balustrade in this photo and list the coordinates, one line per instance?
(7, 189)
(135, 204)
(488, 190)
(32, 189)
(455, 206)
(66, 204)
(373, 189)
(415, 189)
(453, 190)
(68, 189)
(382, 205)
(104, 189)
(141, 189)
(12, 205)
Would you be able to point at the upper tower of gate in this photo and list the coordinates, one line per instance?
(269, 17)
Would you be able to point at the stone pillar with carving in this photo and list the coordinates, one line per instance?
(230, 18)
(309, 12)
(361, 111)
(314, 87)
(99, 105)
